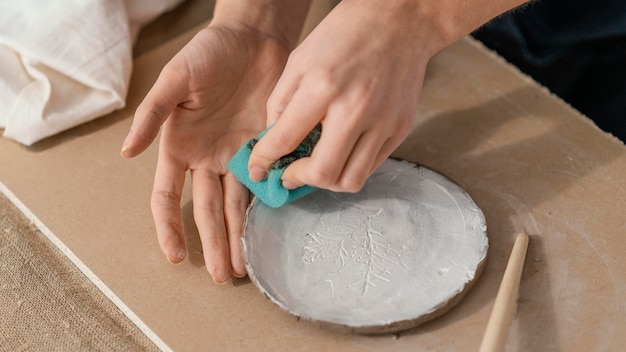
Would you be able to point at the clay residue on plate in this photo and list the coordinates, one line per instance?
(400, 250)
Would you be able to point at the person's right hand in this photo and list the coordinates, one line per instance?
(359, 74)
(210, 98)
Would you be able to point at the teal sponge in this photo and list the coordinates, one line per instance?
(271, 191)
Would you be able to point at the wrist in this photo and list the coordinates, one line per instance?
(437, 24)
(453, 20)
(279, 19)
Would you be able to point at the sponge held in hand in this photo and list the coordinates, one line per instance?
(270, 190)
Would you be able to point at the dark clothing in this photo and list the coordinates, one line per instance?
(577, 49)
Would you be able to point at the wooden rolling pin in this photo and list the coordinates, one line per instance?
(506, 300)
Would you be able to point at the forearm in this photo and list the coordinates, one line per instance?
(435, 24)
(455, 18)
(282, 19)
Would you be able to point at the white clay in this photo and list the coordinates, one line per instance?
(398, 253)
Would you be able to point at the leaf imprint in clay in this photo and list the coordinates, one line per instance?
(400, 252)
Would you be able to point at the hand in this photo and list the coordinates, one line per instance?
(210, 98)
(360, 73)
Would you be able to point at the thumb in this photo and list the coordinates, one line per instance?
(169, 90)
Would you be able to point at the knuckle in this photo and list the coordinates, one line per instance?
(149, 108)
(295, 57)
(356, 109)
(239, 205)
(171, 73)
(363, 95)
(207, 206)
(322, 83)
(273, 107)
(323, 178)
(158, 111)
(352, 185)
(164, 200)
(353, 118)
(406, 122)
(361, 100)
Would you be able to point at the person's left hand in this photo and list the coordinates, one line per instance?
(210, 98)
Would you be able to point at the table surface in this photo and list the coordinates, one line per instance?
(529, 161)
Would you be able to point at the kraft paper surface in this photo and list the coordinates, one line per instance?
(528, 160)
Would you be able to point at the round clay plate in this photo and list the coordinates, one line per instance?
(400, 252)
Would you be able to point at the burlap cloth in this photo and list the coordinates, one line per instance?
(46, 303)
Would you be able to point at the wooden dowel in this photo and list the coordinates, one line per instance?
(506, 300)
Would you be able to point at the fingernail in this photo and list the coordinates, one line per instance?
(257, 174)
(239, 276)
(222, 281)
(289, 185)
(125, 145)
(177, 257)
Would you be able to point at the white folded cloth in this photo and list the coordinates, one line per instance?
(66, 62)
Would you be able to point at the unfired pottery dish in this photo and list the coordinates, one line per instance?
(402, 251)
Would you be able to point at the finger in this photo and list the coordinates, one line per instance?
(387, 148)
(236, 199)
(342, 127)
(340, 133)
(161, 100)
(166, 193)
(384, 151)
(361, 162)
(306, 108)
(326, 172)
(369, 153)
(356, 172)
(282, 93)
(208, 213)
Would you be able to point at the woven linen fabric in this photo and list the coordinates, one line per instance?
(66, 62)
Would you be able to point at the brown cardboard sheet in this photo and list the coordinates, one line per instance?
(527, 159)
